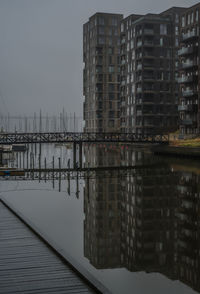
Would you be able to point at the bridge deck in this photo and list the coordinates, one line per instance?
(28, 265)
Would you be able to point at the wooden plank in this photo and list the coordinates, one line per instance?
(27, 265)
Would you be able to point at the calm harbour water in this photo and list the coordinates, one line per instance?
(136, 231)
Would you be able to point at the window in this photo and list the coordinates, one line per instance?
(110, 41)
(188, 19)
(114, 21)
(101, 20)
(122, 27)
(110, 31)
(183, 21)
(111, 87)
(111, 68)
(163, 29)
(111, 96)
(176, 18)
(161, 41)
(192, 17)
(101, 30)
(111, 123)
(197, 15)
(111, 50)
(176, 30)
(101, 40)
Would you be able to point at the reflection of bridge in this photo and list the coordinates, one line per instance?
(66, 173)
(74, 137)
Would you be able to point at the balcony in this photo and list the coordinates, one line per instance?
(189, 35)
(150, 78)
(148, 54)
(138, 79)
(188, 64)
(139, 66)
(148, 32)
(139, 43)
(186, 51)
(188, 93)
(187, 122)
(139, 90)
(148, 43)
(149, 65)
(185, 79)
(182, 107)
(139, 112)
(123, 103)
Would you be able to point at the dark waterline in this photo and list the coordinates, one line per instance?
(137, 233)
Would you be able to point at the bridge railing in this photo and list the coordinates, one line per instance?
(56, 137)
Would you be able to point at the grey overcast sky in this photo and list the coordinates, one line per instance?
(41, 49)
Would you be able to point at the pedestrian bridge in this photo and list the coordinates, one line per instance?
(81, 137)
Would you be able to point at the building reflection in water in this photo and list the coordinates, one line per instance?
(147, 221)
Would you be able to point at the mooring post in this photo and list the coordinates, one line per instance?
(74, 155)
(80, 154)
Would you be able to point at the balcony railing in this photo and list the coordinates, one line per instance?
(148, 43)
(139, 66)
(139, 112)
(123, 103)
(182, 107)
(149, 77)
(185, 51)
(189, 35)
(188, 93)
(185, 79)
(188, 64)
(148, 32)
(187, 122)
(139, 43)
(139, 90)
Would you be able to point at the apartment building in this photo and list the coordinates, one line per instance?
(149, 65)
(189, 100)
(101, 74)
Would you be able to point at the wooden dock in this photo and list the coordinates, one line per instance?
(29, 264)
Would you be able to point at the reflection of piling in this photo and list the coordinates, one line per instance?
(27, 165)
(74, 155)
(20, 160)
(53, 171)
(77, 186)
(59, 165)
(39, 167)
(80, 154)
(68, 179)
(45, 167)
(23, 160)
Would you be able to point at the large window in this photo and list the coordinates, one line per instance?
(183, 21)
(101, 20)
(163, 29)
